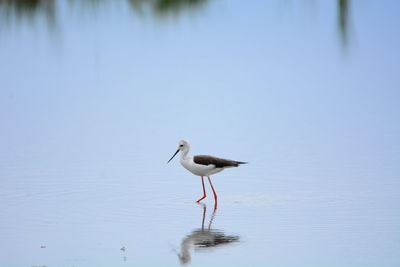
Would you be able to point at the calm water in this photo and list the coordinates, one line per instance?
(95, 96)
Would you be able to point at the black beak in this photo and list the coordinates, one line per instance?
(173, 156)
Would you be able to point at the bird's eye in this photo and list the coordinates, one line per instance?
(181, 145)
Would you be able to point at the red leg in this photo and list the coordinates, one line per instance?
(204, 190)
(215, 194)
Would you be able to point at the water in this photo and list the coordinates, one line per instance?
(95, 96)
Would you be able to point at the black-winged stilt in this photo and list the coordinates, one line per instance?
(203, 165)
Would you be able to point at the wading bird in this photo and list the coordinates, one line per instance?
(203, 165)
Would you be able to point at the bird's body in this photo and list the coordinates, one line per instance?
(203, 165)
(198, 169)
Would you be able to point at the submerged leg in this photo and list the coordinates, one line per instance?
(215, 194)
(204, 190)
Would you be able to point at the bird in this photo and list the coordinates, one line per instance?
(203, 165)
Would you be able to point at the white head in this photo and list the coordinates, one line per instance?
(183, 146)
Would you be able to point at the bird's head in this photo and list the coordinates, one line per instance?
(183, 146)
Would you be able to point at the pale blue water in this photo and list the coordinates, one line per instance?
(95, 96)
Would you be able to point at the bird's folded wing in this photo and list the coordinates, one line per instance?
(217, 162)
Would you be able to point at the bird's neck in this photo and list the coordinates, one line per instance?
(184, 154)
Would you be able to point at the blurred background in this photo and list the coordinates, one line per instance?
(96, 94)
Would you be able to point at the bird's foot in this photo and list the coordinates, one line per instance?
(201, 199)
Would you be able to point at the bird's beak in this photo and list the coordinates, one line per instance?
(173, 156)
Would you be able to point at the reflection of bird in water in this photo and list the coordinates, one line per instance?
(204, 239)
(203, 165)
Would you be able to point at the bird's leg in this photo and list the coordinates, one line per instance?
(215, 194)
(204, 190)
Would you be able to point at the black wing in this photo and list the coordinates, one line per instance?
(217, 162)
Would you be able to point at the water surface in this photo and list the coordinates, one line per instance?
(95, 96)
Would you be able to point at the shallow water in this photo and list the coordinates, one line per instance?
(95, 96)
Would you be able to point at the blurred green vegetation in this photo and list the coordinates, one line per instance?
(343, 20)
(165, 7)
(17, 11)
(14, 11)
